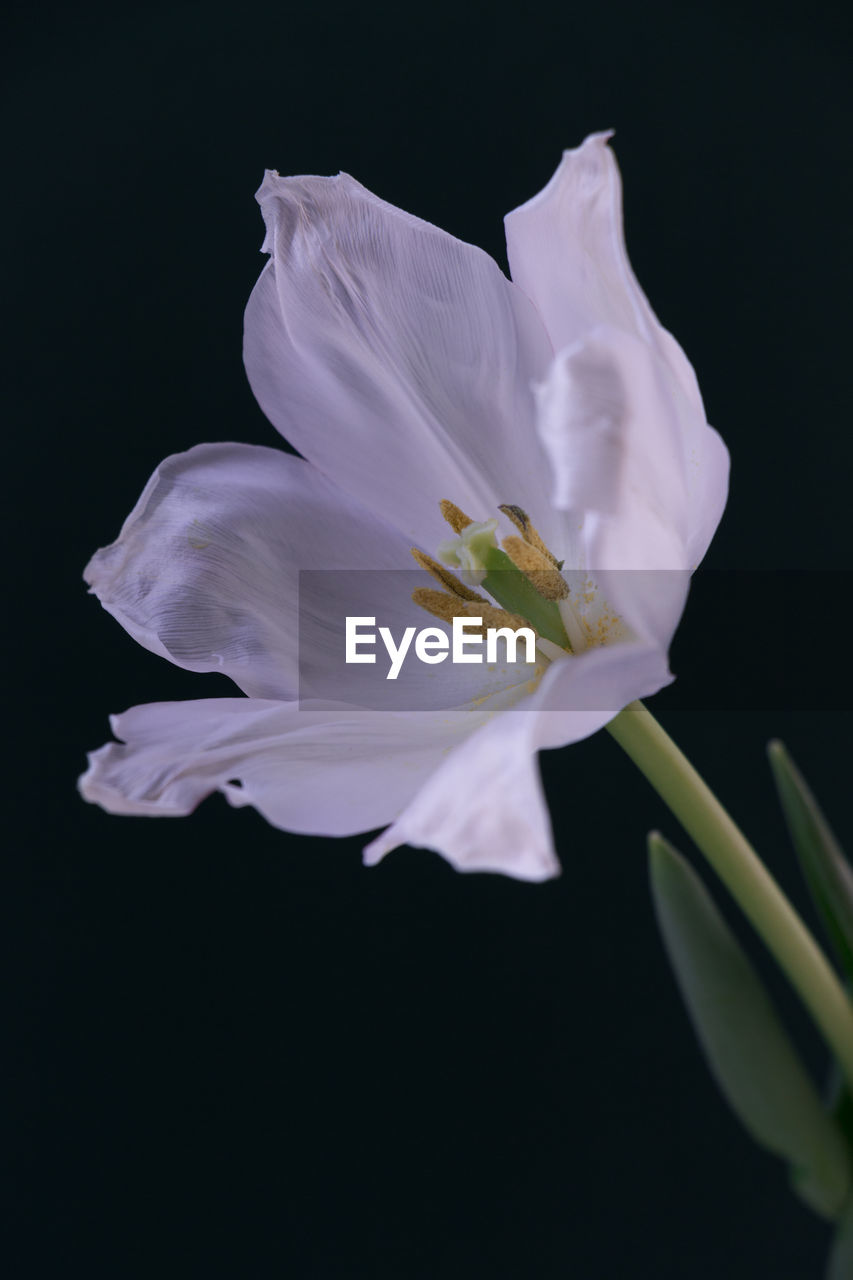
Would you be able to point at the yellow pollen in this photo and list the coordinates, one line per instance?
(439, 603)
(528, 530)
(446, 607)
(445, 577)
(537, 568)
(456, 518)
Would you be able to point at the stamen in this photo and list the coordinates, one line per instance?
(574, 630)
(475, 554)
(445, 577)
(528, 530)
(438, 603)
(549, 650)
(537, 567)
(448, 607)
(455, 517)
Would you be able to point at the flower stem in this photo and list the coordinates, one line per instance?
(742, 871)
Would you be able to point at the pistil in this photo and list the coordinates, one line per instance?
(524, 579)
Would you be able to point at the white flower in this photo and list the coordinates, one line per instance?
(407, 369)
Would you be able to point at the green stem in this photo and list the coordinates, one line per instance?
(742, 871)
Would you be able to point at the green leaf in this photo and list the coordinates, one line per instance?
(839, 1101)
(747, 1049)
(827, 871)
(840, 1265)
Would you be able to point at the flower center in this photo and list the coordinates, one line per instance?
(523, 578)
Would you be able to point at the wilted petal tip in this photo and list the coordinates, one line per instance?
(372, 854)
(592, 140)
(594, 147)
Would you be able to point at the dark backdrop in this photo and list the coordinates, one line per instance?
(238, 1053)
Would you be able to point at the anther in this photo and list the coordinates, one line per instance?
(537, 567)
(455, 517)
(445, 577)
(446, 607)
(528, 530)
(438, 603)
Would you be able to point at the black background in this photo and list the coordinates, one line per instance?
(238, 1053)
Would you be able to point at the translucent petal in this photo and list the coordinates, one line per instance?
(567, 252)
(484, 809)
(323, 773)
(205, 570)
(396, 358)
(612, 429)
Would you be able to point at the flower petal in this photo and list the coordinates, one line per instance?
(584, 693)
(396, 358)
(322, 773)
(707, 489)
(612, 429)
(484, 809)
(567, 252)
(205, 570)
